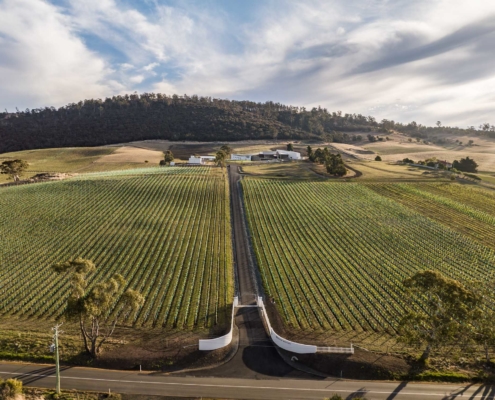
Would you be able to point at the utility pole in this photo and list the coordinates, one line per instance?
(57, 361)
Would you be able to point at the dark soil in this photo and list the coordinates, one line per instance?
(360, 365)
(184, 151)
(173, 358)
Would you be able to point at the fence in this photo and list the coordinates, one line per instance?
(222, 341)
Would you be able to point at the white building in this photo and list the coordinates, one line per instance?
(291, 155)
(241, 157)
(200, 159)
(268, 156)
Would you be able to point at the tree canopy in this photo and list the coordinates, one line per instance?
(447, 312)
(220, 158)
(466, 165)
(91, 308)
(168, 157)
(133, 117)
(13, 168)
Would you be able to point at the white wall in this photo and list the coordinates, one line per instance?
(280, 341)
(298, 347)
(195, 160)
(222, 341)
(241, 157)
(293, 155)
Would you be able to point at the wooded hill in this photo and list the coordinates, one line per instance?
(156, 116)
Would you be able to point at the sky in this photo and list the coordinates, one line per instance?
(421, 60)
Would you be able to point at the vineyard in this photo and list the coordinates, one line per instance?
(166, 230)
(469, 210)
(334, 255)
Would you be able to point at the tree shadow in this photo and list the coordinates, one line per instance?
(358, 393)
(460, 393)
(397, 391)
(37, 374)
(484, 392)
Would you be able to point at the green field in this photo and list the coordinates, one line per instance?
(166, 230)
(334, 254)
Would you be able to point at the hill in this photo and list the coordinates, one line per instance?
(155, 116)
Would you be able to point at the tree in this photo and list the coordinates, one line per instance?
(13, 168)
(168, 157)
(439, 124)
(226, 149)
(290, 147)
(483, 318)
(466, 165)
(378, 158)
(220, 158)
(91, 308)
(447, 306)
(334, 164)
(319, 156)
(407, 161)
(309, 152)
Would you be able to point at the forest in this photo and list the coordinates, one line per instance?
(132, 117)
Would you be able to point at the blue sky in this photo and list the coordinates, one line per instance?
(422, 60)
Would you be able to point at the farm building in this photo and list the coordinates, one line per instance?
(445, 164)
(241, 157)
(268, 155)
(200, 159)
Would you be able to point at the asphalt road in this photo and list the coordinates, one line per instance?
(246, 282)
(256, 357)
(162, 384)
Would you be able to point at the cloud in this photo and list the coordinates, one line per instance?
(461, 37)
(42, 61)
(351, 55)
(151, 66)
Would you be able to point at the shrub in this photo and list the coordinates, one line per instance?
(378, 158)
(336, 397)
(10, 388)
(442, 376)
(473, 176)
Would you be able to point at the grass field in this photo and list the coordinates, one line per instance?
(83, 159)
(334, 254)
(399, 147)
(166, 230)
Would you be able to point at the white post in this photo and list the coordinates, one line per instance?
(57, 360)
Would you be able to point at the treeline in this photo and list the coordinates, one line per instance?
(157, 116)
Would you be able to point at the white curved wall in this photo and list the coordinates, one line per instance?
(292, 346)
(298, 347)
(280, 341)
(222, 341)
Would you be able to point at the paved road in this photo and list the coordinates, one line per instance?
(256, 357)
(245, 279)
(162, 384)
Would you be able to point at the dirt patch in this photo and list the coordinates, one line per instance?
(128, 154)
(183, 151)
(360, 365)
(173, 358)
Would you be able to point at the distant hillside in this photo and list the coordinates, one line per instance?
(156, 116)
